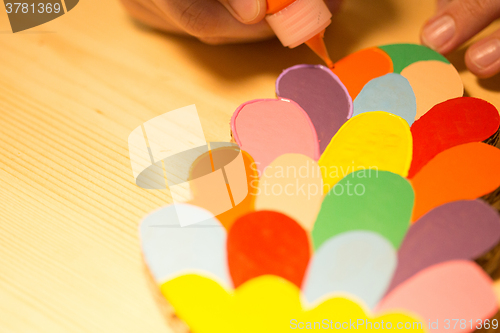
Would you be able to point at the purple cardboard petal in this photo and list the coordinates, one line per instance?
(462, 229)
(321, 94)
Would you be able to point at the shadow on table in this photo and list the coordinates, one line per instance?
(457, 58)
(492, 84)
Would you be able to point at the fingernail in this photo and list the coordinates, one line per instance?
(439, 32)
(247, 10)
(485, 55)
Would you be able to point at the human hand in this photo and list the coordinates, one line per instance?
(211, 21)
(455, 22)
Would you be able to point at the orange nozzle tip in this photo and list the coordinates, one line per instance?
(317, 44)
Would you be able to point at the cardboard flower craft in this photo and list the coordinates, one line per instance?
(362, 207)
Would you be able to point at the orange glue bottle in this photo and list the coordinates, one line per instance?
(300, 21)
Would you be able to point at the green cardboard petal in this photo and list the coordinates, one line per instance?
(372, 200)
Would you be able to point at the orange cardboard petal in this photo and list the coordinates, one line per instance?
(463, 172)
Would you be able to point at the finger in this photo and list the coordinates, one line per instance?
(457, 22)
(148, 4)
(209, 19)
(253, 11)
(147, 14)
(246, 11)
(483, 58)
(230, 40)
(237, 6)
(442, 3)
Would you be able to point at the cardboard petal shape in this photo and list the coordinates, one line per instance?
(443, 292)
(360, 263)
(267, 304)
(463, 229)
(171, 250)
(464, 172)
(433, 82)
(378, 201)
(357, 69)
(292, 185)
(321, 94)
(269, 128)
(403, 55)
(370, 141)
(451, 123)
(266, 242)
(390, 93)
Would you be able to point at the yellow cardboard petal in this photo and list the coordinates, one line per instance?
(201, 302)
(369, 141)
(267, 304)
(350, 316)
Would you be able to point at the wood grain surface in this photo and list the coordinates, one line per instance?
(71, 91)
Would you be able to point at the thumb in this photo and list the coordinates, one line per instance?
(246, 11)
(442, 3)
(458, 21)
(253, 11)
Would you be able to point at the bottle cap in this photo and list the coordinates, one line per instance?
(300, 21)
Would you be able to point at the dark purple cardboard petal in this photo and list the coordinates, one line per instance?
(462, 229)
(321, 94)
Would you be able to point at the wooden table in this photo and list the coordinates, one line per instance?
(71, 91)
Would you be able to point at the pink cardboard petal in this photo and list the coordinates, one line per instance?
(443, 292)
(268, 128)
